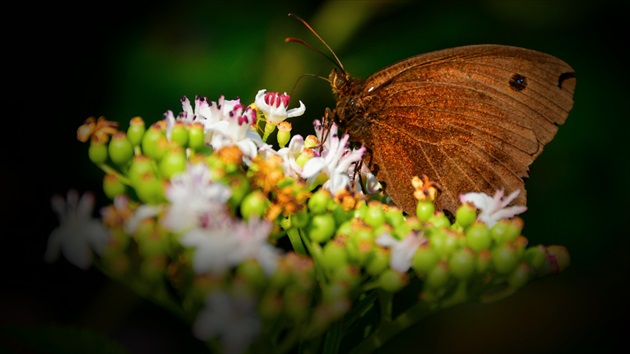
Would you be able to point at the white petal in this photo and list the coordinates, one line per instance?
(313, 167)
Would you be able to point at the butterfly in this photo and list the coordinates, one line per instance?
(471, 118)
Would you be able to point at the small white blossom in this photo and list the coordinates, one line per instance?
(289, 155)
(236, 129)
(193, 195)
(401, 251)
(494, 208)
(335, 162)
(144, 211)
(78, 234)
(214, 248)
(253, 244)
(274, 106)
(232, 318)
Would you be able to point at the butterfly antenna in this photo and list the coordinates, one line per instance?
(337, 62)
(300, 78)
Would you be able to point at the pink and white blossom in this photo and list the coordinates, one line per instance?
(493, 208)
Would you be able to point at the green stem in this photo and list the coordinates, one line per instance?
(109, 170)
(296, 240)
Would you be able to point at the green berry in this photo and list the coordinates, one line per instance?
(318, 202)
(113, 186)
(321, 227)
(377, 262)
(120, 149)
(520, 276)
(299, 219)
(506, 230)
(173, 162)
(150, 189)
(97, 152)
(240, 187)
(374, 215)
(462, 264)
(438, 276)
(150, 141)
(334, 255)
(392, 281)
(425, 210)
(140, 165)
(504, 258)
(394, 216)
(196, 136)
(424, 260)
(466, 214)
(439, 220)
(179, 134)
(254, 205)
(484, 258)
(478, 237)
(136, 131)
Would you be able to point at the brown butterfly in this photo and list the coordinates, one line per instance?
(471, 118)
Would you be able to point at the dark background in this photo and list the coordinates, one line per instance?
(126, 59)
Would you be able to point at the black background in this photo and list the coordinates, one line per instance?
(123, 59)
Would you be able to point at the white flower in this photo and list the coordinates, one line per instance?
(274, 106)
(193, 195)
(78, 233)
(223, 244)
(335, 163)
(236, 129)
(214, 248)
(253, 244)
(289, 155)
(144, 211)
(230, 317)
(494, 208)
(401, 251)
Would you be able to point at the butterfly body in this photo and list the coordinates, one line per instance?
(471, 118)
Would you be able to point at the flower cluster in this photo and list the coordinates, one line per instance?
(262, 248)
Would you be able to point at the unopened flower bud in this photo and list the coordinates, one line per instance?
(136, 131)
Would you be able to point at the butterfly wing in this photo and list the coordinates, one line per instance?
(471, 118)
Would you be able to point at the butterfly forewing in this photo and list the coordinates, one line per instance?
(471, 118)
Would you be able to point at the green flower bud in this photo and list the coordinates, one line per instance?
(299, 219)
(392, 281)
(378, 261)
(394, 216)
(478, 237)
(520, 276)
(334, 255)
(484, 258)
(113, 186)
(536, 256)
(345, 228)
(150, 141)
(424, 260)
(136, 131)
(284, 133)
(504, 258)
(425, 210)
(196, 136)
(150, 189)
(254, 205)
(348, 274)
(321, 227)
(97, 152)
(439, 220)
(374, 215)
(466, 215)
(506, 230)
(173, 162)
(120, 149)
(179, 134)
(140, 165)
(240, 187)
(560, 257)
(462, 264)
(438, 276)
(318, 202)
